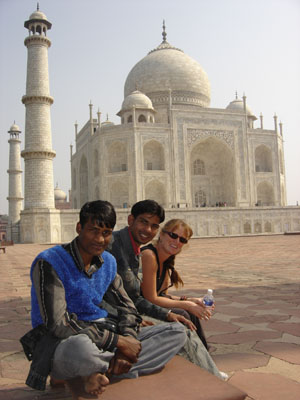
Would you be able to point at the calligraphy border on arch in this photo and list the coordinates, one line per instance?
(194, 134)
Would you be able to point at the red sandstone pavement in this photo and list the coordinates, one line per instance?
(254, 332)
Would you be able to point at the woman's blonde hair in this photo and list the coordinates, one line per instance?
(169, 263)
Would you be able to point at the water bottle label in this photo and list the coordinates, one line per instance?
(208, 302)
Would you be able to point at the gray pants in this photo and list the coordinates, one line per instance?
(79, 356)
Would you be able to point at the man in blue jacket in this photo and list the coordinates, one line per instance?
(85, 327)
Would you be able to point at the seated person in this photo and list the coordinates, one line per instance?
(159, 273)
(143, 224)
(74, 338)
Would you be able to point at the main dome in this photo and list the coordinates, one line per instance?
(166, 69)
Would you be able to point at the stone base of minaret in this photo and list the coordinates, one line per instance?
(13, 232)
(40, 226)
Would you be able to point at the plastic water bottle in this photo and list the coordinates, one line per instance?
(208, 299)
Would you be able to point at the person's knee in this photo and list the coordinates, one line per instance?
(180, 331)
(78, 345)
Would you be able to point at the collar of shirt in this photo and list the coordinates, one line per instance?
(136, 248)
(73, 249)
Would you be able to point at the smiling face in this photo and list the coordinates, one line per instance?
(143, 228)
(172, 246)
(92, 239)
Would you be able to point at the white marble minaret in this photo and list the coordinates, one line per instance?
(38, 153)
(37, 218)
(14, 183)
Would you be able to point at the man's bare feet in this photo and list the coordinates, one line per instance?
(95, 384)
(89, 387)
(56, 383)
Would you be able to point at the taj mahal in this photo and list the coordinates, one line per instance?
(219, 169)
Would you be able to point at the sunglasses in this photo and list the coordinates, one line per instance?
(175, 236)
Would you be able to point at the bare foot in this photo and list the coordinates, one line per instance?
(95, 383)
(56, 383)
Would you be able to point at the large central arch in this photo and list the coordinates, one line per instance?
(215, 180)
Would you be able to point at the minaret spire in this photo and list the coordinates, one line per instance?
(164, 34)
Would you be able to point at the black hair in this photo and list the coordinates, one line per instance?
(100, 211)
(148, 207)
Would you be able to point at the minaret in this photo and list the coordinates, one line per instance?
(38, 153)
(14, 183)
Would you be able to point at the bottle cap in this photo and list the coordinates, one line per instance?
(209, 291)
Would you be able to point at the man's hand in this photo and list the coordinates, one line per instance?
(119, 364)
(129, 347)
(146, 323)
(172, 317)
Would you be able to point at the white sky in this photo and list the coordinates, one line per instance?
(251, 47)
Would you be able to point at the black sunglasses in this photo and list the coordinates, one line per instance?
(175, 236)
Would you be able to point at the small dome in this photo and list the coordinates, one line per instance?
(59, 195)
(38, 15)
(107, 122)
(137, 99)
(14, 128)
(237, 105)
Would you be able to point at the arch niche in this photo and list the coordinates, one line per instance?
(117, 157)
(83, 174)
(263, 159)
(119, 195)
(265, 194)
(154, 156)
(157, 191)
(212, 173)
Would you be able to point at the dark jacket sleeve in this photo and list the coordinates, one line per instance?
(128, 265)
(120, 307)
(53, 308)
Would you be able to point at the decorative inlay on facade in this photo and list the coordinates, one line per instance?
(195, 134)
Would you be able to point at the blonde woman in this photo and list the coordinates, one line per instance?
(159, 273)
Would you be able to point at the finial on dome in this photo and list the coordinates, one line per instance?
(38, 6)
(107, 117)
(236, 95)
(164, 34)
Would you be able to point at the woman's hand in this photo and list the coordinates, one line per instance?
(172, 317)
(196, 300)
(199, 310)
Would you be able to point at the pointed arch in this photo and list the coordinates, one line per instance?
(119, 195)
(263, 159)
(265, 194)
(117, 157)
(154, 158)
(157, 191)
(212, 170)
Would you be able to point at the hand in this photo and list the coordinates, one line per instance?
(119, 364)
(146, 323)
(200, 311)
(172, 317)
(129, 347)
(196, 300)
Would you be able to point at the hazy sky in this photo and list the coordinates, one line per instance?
(251, 47)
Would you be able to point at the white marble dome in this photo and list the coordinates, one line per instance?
(138, 100)
(59, 195)
(38, 15)
(168, 68)
(238, 105)
(14, 128)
